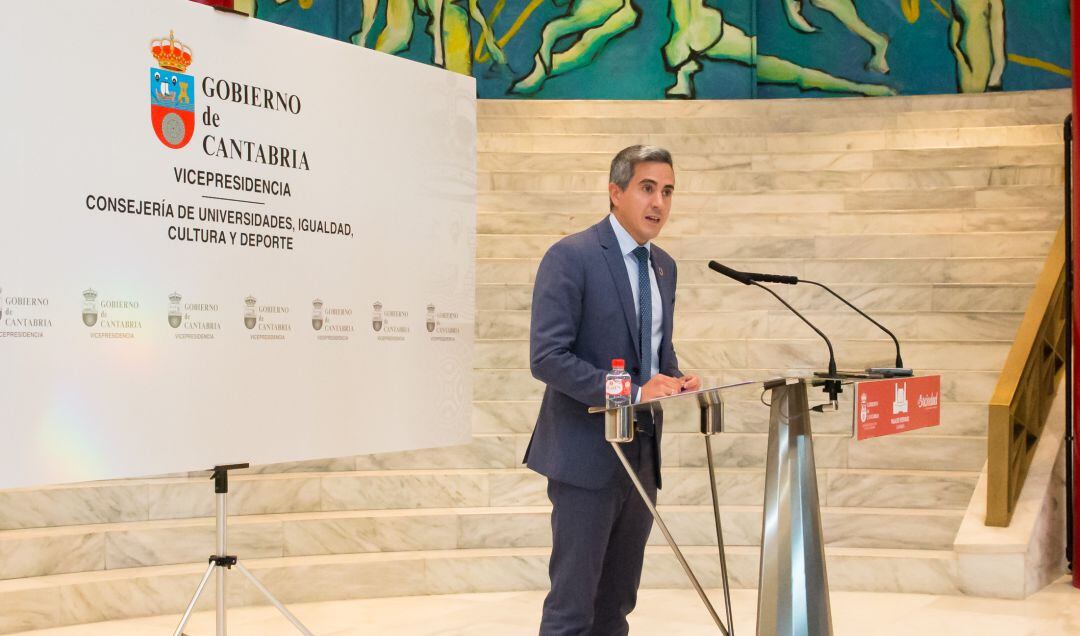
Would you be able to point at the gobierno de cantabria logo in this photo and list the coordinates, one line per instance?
(172, 93)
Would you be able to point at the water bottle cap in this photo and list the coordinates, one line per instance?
(618, 363)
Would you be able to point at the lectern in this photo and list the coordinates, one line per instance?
(793, 587)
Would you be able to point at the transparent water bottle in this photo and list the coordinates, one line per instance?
(617, 384)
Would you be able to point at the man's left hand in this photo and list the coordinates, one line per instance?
(690, 383)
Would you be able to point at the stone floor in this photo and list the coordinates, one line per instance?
(1052, 612)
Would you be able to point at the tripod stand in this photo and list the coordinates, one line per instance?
(222, 561)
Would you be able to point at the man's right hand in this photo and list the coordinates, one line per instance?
(660, 386)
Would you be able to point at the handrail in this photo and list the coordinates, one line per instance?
(1026, 388)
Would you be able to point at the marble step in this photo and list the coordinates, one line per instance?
(677, 143)
(743, 412)
(1002, 156)
(806, 351)
(811, 202)
(734, 245)
(66, 599)
(46, 552)
(519, 385)
(871, 298)
(742, 415)
(279, 493)
(828, 107)
(683, 224)
(821, 181)
(931, 450)
(780, 323)
(718, 124)
(830, 271)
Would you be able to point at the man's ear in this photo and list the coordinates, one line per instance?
(614, 193)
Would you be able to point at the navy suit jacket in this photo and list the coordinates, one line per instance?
(583, 316)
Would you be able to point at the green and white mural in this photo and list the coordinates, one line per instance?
(709, 49)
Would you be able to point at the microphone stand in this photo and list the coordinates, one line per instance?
(831, 380)
(899, 360)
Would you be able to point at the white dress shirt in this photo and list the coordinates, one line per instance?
(627, 245)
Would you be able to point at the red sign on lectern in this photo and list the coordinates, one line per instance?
(895, 405)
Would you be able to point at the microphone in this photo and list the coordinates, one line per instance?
(899, 360)
(773, 278)
(832, 385)
(747, 278)
(730, 273)
(750, 277)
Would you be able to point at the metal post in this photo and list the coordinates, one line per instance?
(276, 603)
(719, 534)
(670, 539)
(793, 595)
(222, 550)
(1070, 429)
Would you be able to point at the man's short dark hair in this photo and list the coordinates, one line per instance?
(624, 163)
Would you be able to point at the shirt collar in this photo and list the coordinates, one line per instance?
(627, 244)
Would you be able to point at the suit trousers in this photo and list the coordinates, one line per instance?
(598, 544)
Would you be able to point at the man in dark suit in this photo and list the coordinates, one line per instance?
(600, 294)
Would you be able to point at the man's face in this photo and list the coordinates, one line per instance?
(643, 207)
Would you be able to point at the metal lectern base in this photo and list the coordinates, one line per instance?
(793, 588)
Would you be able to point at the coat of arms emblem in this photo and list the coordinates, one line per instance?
(172, 93)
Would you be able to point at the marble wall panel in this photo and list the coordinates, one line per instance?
(29, 608)
(250, 495)
(101, 502)
(505, 416)
(501, 354)
(167, 592)
(506, 384)
(893, 573)
(32, 553)
(959, 198)
(484, 451)
(521, 487)
(149, 545)
(1003, 297)
(815, 161)
(425, 530)
(334, 578)
(501, 573)
(1045, 154)
(919, 453)
(932, 530)
(381, 491)
(895, 489)
(531, 529)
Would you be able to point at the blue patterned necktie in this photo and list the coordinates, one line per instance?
(644, 314)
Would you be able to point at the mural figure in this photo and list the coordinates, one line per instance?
(977, 40)
(448, 27)
(699, 31)
(845, 12)
(597, 21)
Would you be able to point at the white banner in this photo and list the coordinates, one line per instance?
(224, 240)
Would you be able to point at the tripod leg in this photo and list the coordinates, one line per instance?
(194, 599)
(670, 539)
(270, 597)
(719, 534)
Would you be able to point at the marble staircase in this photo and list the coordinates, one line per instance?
(934, 213)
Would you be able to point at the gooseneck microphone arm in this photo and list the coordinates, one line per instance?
(899, 360)
(832, 356)
(748, 279)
